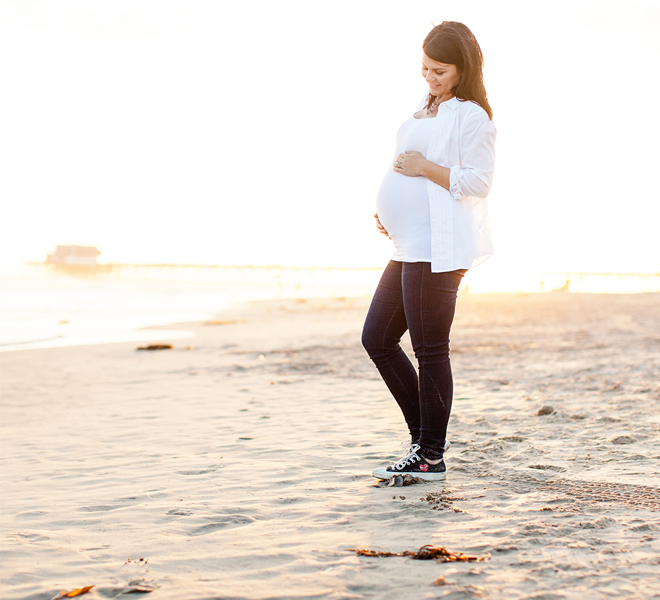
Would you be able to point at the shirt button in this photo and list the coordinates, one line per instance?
(435, 129)
(434, 243)
(433, 220)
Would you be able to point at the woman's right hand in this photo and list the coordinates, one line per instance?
(380, 226)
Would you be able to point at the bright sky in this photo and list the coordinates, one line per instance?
(191, 131)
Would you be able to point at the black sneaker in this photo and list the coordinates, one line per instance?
(414, 464)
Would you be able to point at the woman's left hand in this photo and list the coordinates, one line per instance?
(409, 163)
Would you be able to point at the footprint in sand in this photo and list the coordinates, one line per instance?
(229, 523)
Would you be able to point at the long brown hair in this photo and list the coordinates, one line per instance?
(453, 43)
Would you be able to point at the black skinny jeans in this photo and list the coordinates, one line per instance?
(410, 297)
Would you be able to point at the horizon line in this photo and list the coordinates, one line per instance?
(302, 268)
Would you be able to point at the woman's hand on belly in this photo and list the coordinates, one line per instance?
(380, 226)
(413, 164)
(410, 163)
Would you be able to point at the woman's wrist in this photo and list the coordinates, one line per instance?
(426, 168)
(437, 174)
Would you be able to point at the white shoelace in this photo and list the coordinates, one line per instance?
(409, 453)
(406, 445)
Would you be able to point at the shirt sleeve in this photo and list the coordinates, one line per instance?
(474, 176)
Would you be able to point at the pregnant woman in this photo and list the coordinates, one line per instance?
(432, 204)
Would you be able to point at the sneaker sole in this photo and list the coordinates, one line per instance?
(381, 473)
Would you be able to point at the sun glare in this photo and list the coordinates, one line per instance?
(175, 147)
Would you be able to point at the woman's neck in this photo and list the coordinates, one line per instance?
(440, 99)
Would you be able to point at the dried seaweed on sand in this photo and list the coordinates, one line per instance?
(428, 552)
(152, 347)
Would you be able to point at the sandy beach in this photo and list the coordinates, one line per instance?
(238, 464)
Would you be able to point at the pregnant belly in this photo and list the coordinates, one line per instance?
(403, 207)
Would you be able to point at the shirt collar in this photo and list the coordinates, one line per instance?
(452, 102)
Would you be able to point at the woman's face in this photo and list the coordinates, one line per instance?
(441, 77)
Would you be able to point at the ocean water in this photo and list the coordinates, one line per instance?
(47, 310)
(42, 308)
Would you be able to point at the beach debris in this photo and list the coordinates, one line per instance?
(545, 410)
(399, 481)
(439, 581)
(156, 347)
(427, 552)
(410, 480)
(624, 439)
(74, 593)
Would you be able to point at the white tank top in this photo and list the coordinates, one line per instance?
(403, 202)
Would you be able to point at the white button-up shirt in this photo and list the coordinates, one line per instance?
(462, 139)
